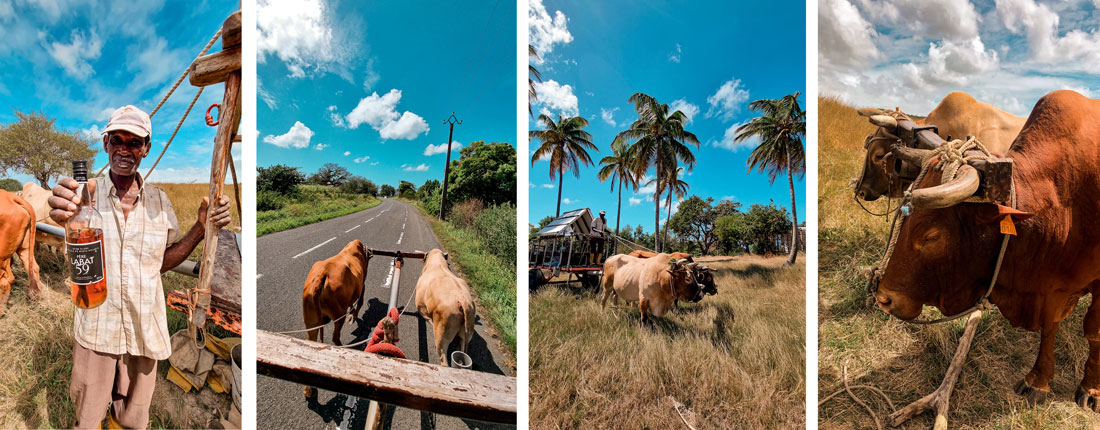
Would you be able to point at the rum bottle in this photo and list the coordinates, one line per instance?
(84, 247)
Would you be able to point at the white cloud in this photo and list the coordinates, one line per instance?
(301, 34)
(381, 114)
(335, 117)
(94, 133)
(361, 159)
(556, 97)
(608, 116)
(844, 36)
(548, 186)
(420, 168)
(727, 100)
(297, 137)
(675, 57)
(1040, 24)
(347, 153)
(74, 56)
(951, 19)
(371, 77)
(320, 146)
(374, 163)
(441, 148)
(568, 201)
(267, 98)
(728, 142)
(544, 31)
(634, 201)
(682, 105)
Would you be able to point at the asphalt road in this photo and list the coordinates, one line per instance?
(284, 260)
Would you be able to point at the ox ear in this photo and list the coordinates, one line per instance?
(992, 213)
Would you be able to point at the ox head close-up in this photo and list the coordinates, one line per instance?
(882, 159)
(684, 284)
(946, 249)
(704, 276)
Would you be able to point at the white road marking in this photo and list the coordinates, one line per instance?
(313, 248)
(350, 229)
(389, 277)
(402, 236)
(259, 275)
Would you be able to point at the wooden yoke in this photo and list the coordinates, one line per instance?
(211, 69)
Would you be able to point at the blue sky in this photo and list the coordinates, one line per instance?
(912, 53)
(78, 60)
(367, 85)
(708, 59)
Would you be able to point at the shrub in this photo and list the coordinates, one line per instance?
(269, 201)
(464, 213)
(496, 228)
(279, 178)
(359, 185)
(430, 202)
(9, 184)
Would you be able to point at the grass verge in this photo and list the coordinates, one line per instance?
(737, 359)
(907, 361)
(493, 280)
(312, 204)
(38, 336)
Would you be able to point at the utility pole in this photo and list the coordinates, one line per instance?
(447, 168)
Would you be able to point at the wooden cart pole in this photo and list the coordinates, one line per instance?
(229, 117)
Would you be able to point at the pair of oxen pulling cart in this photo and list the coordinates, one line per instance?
(959, 206)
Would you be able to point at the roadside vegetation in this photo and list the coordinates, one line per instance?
(736, 359)
(34, 382)
(906, 361)
(285, 199)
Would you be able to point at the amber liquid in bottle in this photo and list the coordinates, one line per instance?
(84, 248)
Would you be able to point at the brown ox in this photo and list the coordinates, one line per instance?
(332, 288)
(946, 251)
(957, 116)
(655, 283)
(445, 299)
(38, 198)
(647, 254)
(16, 237)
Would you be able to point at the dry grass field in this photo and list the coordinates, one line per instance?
(908, 361)
(736, 359)
(38, 344)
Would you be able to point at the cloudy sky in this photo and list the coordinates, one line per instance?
(367, 85)
(707, 59)
(78, 60)
(911, 53)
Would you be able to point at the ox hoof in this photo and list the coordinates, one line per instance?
(1031, 394)
(1088, 399)
(311, 393)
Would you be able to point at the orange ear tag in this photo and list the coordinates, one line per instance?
(1007, 227)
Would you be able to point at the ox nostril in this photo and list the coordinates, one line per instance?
(883, 300)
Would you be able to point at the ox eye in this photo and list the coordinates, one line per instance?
(932, 237)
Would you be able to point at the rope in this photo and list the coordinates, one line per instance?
(952, 156)
(372, 332)
(635, 245)
(178, 125)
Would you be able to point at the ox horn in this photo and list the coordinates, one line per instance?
(911, 155)
(885, 121)
(963, 186)
(869, 111)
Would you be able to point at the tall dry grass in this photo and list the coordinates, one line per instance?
(907, 361)
(736, 359)
(37, 347)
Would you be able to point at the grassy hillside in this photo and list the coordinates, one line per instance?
(38, 339)
(904, 360)
(736, 359)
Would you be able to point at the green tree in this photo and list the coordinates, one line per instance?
(565, 145)
(33, 145)
(674, 186)
(486, 172)
(9, 184)
(780, 128)
(330, 174)
(406, 190)
(696, 218)
(388, 191)
(619, 168)
(359, 185)
(279, 178)
(428, 189)
(756, 230)
(659, 141)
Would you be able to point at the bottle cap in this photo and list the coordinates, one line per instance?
(80, 170)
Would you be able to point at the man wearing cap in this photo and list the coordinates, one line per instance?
(597, 238)
(118, 343)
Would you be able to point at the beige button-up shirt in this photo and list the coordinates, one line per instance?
(132, 320)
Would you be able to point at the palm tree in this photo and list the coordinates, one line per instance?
(565, 145)
(532, 76)
(659, 141)
(677, 187)
(780, 128)
(620, 168)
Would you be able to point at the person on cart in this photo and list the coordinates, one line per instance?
(597, 238)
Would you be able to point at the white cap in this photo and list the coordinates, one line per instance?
(131, 119)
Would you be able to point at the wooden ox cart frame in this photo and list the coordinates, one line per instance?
(563, 246)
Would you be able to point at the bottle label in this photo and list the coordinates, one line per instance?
(86, 261)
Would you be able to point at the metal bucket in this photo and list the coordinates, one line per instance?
(460, 360)
(235, 354)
